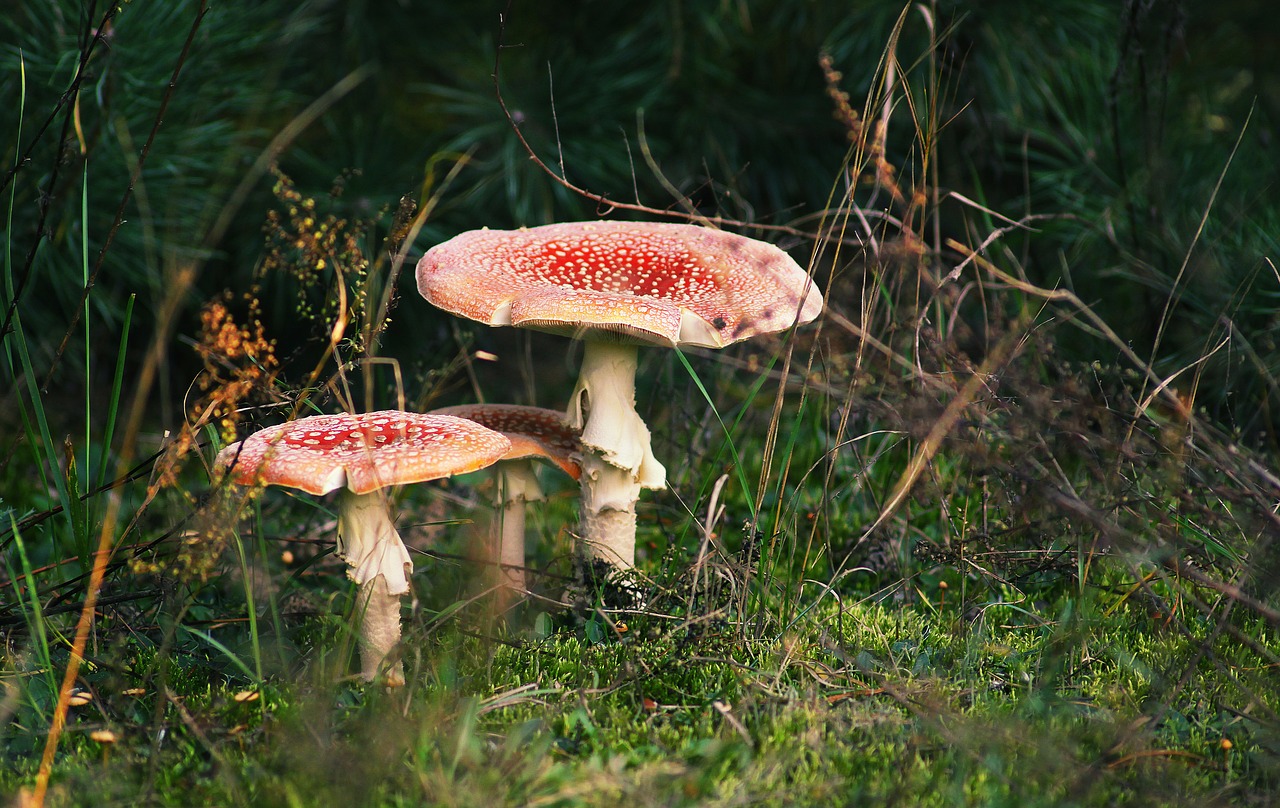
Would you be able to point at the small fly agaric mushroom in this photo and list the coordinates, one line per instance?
(534, 433)
(358, 456)
(618, 285)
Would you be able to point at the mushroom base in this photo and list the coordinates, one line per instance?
(609, 496)
(609, 535)
(378, 615)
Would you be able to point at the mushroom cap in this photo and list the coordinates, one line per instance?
(533, 432)
(640, 282)
(363, 452)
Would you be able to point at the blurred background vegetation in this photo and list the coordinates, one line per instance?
(1118, 121)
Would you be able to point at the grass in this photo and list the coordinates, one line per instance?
(970, 539)
(921, 711)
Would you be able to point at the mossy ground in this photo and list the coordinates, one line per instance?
(859, 701)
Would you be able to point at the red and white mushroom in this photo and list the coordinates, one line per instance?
(618, 285)
(535, 433)
(358, 456)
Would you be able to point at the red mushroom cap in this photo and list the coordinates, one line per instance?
(533, 432)
(659, 283)
(362, 452)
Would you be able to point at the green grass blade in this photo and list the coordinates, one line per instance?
(84, 280)
(117, 381)
(733, 449)
(224, 650)
(246, 575)
(35, 617)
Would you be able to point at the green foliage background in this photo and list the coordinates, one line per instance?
(1122, 117)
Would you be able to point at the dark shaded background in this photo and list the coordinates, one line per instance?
(1121, 115)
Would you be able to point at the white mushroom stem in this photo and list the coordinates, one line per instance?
(517, 484)
(378, 561)
(617, 454)
(378, 613)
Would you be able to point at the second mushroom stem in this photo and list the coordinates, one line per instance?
(378, 561)
(617, 455)
(517, 484)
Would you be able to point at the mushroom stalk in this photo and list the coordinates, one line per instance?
(617, 453)
(517, 484)
(378, 561)
(379, 615)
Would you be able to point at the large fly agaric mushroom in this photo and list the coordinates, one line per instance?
(534, 433)
(358, 456)
(618, 285)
